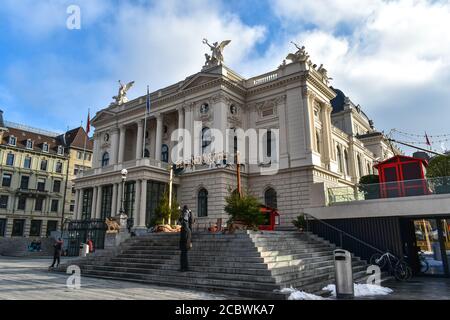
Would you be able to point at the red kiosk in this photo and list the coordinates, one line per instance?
(402, 176)
(271, 218)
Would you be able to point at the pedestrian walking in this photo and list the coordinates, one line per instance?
(57, 252)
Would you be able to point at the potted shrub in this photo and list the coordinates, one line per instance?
(300, 222)
(370, 186)
(243, 209)
(439, 171)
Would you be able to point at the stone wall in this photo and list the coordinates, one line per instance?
(18, 246)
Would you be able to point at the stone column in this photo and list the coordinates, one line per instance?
(114, 201)
(308, 114)
(137, 203)
(95, 151)
(114, 145)
(283, 143)
(326, 133)
(159, 128)
(143, 204)
(139, 139)
(98, 210)
(188, 125)
(77, 203)
(180, 132)
(94, 202)
(80, 206)
(121, 144)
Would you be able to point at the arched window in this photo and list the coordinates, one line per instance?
(105, 159)
(202, 203)
(270, 198)
(347, 171)
(206, 140)
(339, 159)
(165, 153)
(318, 142)
(146, 153)
(360, 168)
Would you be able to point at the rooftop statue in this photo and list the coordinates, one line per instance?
(300, 55)
(216, 58)
(121, 97)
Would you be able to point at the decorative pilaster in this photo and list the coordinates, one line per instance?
(114, 145)
(94, 202)
(137, 203)
(121, 143)
(143, 205)
(139, 138)
(99, 203)
(159, 128)
(114, 201)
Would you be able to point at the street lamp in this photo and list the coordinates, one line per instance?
(124, 173)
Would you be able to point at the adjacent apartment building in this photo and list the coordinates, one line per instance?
(33, 171)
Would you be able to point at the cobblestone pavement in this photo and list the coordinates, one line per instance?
(29, 279)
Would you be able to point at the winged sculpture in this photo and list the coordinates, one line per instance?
(217, 52)
(122, 94)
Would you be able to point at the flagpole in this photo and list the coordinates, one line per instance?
(85, 141)
(145, 123)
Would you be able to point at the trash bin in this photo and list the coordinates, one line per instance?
(343, 274)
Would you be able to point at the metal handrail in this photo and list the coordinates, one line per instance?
(341, 233)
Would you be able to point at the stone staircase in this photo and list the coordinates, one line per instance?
(245, 264)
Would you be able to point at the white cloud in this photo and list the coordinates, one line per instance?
(395, 58)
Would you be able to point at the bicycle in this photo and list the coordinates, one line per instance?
(397, 267)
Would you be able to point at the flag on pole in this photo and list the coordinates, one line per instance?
(88, 124)
(427, 140)
(148, 100)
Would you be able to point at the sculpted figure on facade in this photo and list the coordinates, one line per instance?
(300, 56)
(121, 97)
(217, 53)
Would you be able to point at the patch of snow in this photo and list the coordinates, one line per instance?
(362, 290)
(300, 295)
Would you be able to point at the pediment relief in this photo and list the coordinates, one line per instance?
(103, 115)
(197, 80)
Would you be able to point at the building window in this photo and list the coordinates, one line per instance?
(206, 140)
(38, 204)
(80, 155)
(368, 168)
(146, 153)
(360, 168)
(60, 150)
(27, 163)
(41, 184)
(22, 203)
(155, 192)
(269, 144)
(10, 159)
(128, 203)
(72, 206)
(347, 171)
(57, 186)
(44, 165)
(339, 159)
(2, 227)
(86, 206)
(59, 167)
(45, 147)
(12, 141)
(202, 203)
(18, 226)
(3, 202)
(54, 205)
(270, 198)
(35, 228)
(24, 182)
(164, 153)
(6, 181)
(51, 226)
(29, 144)
(318, 142)
(105, 211)
(105, 159)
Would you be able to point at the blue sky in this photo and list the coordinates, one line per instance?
(391, 57)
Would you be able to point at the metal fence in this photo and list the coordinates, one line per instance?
(79, 231)
(406, 188)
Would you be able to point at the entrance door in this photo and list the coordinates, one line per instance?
(432, 242)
